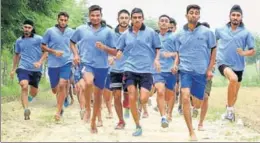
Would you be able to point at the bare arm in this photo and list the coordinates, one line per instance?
(250, 52)
(212, 58)
(74, 48)
(110, 51)
(46, 49)
(157, 56)
(43, 58)
(16, 60)
(177, 60)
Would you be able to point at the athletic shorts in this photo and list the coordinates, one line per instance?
(196, 83)
(107, 85)
(55, 74)
(167, 78)
(238, 73)
(100, 75)
(144, 80)
(117, 81)
(33, 77)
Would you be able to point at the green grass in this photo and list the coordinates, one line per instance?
(214, 114)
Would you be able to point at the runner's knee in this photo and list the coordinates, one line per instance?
(233, 79)
(24, 86)
(186, 99)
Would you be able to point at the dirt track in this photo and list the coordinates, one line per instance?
(43, 128)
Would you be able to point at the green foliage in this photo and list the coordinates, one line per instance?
(253, 59)
(151, 22)
(44, 14)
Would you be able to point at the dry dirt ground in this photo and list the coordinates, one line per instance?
(43, 128)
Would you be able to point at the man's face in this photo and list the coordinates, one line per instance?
(235, 18)
(193, 16)
(63, 21)
(137, 19)
(27, 29)
(95, 17)
(172, 27)
(123, 20)
(164, 23)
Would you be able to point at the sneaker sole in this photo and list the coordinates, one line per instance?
(27, 114)
(136, 135)
(165, 125)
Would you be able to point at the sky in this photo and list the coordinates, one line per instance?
(215, 12)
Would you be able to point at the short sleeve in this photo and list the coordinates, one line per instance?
(250, 41)
(17, 47)
(120, 45)
(46, 37)
(211, 40)
(76, 36)
(110, 39)
(156, 40)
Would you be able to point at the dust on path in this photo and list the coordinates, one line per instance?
(43, 128)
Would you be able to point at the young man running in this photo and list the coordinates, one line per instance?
(173, 25)
(165, 80)
(117, 70)
(140, 44)
(56, 41)
(30, 57)
(97, 40)
(235, 43)
(204, 105)
(194, 40)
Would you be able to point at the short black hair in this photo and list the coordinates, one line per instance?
(63, 13)
(173, 21)
(192, 6)
(94, 8)
(137, 10)
(205, 24)
(164, 15)
(123, 11)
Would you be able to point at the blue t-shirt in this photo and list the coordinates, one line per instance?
(88, 36)
(168, 45)
(30, 52)
(194, 48)
(118, 66)
(139, 49)
(57, 40)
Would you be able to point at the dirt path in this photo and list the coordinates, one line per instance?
(42, 127)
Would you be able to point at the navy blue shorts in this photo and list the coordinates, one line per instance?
(196, 83)
(100, 75)
(144, 80)
(56, 74)
(32, 76)
(116, 81)
(77, 74)
(107, 85)
(167, 78)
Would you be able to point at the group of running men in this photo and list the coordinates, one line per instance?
(132, 59)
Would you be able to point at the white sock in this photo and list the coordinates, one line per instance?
(230, 109)
(164, 117)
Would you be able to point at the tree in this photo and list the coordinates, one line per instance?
(151, 22)
(253, 59)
